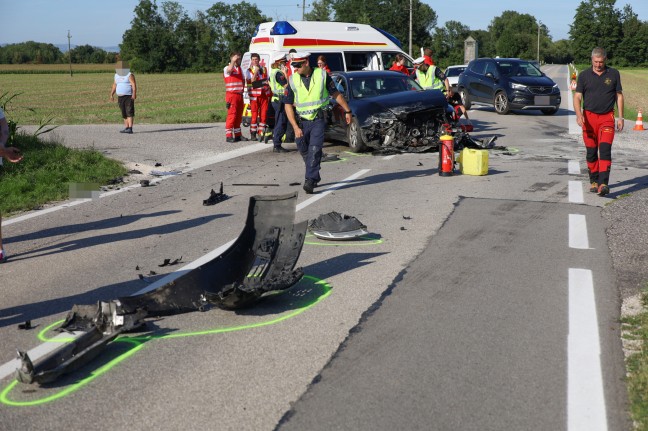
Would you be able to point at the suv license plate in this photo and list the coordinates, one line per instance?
(541, 100)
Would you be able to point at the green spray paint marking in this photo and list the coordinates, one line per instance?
(356, 154)
(138, 344)
(367, 241)
(340, 160)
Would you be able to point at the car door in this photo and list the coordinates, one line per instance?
(490, 79)
(476, 81)
(336, 118)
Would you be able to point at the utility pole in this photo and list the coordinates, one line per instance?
(410, 30)
(538, 58)
(69, 52)
(303, 9)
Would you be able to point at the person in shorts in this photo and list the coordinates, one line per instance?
(126, 88)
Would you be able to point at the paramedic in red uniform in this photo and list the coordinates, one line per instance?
(308, 92)
(399, 64)
(598, 89)
(259, 100)
(234, 85)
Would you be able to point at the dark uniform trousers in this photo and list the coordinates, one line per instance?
(279, 128)
(310, 146)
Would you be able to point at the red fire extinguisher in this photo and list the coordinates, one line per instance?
(446, 156)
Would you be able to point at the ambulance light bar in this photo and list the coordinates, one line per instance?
(282, 28)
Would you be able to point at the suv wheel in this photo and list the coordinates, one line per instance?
(549, 111)
(465, 99)
(501, 103)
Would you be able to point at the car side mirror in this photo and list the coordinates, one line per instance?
(491, 76)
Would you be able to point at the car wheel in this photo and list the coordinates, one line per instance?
(465, 99)
(355, 138)
(501, 103)
(549, 111)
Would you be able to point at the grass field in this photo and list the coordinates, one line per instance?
(85, 98)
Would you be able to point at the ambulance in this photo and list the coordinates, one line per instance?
(346, 46)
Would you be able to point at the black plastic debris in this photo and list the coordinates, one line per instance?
(215, 198)
(26, 325)
(135, 172)
(407, 218)
(336, 226)
(260, 262)
(295, 184)
(145, 183)
(168, 262)
(330, 158)
(158, 164)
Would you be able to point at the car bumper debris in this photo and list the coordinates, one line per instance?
(261, 261)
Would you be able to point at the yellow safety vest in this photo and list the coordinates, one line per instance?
(429, 80)
(309, 101)
(277, 89)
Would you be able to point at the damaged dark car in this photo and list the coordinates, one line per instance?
(391, 113)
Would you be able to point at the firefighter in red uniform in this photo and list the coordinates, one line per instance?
(256, 78)
(234, 85)
(598, 89)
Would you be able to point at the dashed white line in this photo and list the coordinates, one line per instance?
(573, 167)
(578, 231)
(585, 398)
(576, 192)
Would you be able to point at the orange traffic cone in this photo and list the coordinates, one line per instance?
(639, 122)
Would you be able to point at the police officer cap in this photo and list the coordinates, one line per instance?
(419, 60)
(300, 57)
(278, 56)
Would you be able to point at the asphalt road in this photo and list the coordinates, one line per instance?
(462, 310)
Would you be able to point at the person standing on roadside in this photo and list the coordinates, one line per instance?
(278, 83)
(432, 77)
(234, 85)
(13, 155)
(126, 88)
(255, 77)
(598, 89)
(399, 64)
(308, 92)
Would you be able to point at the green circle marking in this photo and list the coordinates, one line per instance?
(137, 343)
(347, 243)
(351, 153)
(340, 160)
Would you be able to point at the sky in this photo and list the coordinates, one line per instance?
(102, 23)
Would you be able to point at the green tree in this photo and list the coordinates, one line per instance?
(516, 35)
(391, 16)
(448, 43)
(321, 11)
(596, 23)
(30, 52)
(633, 50)
(234, 25)
(559, 52)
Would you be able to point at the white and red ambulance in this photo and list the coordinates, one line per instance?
(346, 46)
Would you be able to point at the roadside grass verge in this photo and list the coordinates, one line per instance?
(635, 329)
(46, 171)
(85, 98)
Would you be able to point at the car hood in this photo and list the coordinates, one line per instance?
(533, 81)
(398, 105)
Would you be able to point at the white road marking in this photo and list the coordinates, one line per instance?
(576, 192)
(585, 399)
(573, 166)
(48, 347)
(204, 162)
(578, 232)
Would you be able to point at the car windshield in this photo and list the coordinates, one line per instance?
(454, 71)
(518, 68)
(372, 86)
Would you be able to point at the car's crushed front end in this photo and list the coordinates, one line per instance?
(412, 125)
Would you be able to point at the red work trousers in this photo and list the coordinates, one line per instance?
(259, 114)
(598, 134)
(234, 103)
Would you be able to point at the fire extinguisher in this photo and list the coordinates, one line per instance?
(446, 156)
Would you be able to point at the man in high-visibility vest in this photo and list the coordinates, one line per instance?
(308, 92)
(431, 77)
(234, 85)
(278, 83)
